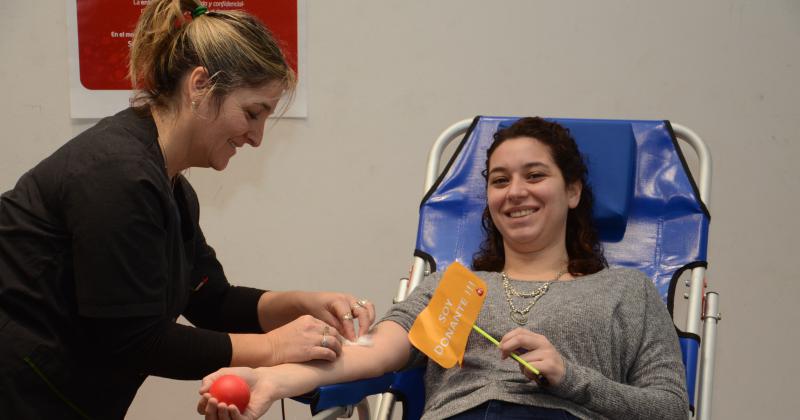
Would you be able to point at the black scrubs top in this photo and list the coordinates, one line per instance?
(99, 255)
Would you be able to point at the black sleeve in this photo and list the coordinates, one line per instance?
(154, 346)
(116, 214)
(214, 303)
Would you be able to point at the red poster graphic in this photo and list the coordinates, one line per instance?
(105, 30)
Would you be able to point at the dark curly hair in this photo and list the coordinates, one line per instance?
(583, 246)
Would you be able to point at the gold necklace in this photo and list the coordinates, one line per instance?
(520, 316)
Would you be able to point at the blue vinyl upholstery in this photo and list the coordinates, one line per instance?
(348, 393)
(408, 386)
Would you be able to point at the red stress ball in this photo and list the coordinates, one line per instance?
(231, 390)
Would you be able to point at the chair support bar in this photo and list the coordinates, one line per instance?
(709, 315)
(707, 351)
(704, 156)
(385, 406)
(448, 135)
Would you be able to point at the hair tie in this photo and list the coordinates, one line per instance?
(199, 11)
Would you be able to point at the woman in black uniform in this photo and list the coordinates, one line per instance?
(100, 247)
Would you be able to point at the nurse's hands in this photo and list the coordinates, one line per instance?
(262, 395)
(340, 310)
(537, 350)
(306, 338)
(302, 326)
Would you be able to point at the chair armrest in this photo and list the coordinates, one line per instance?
(347, 393)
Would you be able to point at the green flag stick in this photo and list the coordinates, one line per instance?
(539, 379)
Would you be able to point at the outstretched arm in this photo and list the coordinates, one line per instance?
(389, 352)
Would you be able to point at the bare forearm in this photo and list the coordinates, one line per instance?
(390, 351)
(297, 379)
(298, 341)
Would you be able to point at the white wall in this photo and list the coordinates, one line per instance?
(329, 202)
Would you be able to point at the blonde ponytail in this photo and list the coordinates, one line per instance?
(234, 47)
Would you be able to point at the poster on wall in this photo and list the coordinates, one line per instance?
(100, 34)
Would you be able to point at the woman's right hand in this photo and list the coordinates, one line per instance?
(261, 395)
(537, 350)
(306, 338)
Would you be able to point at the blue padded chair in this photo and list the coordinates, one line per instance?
(649, 212)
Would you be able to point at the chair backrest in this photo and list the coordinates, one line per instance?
(648, 210)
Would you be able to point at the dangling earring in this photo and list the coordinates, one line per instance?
(194, 105)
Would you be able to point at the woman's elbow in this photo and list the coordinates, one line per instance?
(390, 351)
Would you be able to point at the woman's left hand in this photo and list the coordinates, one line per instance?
(261, 396)
(339, 310)
(537, 350)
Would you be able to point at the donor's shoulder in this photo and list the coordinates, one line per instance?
(624, 275)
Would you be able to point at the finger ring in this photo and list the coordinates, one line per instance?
(361, 303)
(347, 317)
(325, 330)
(324, 342)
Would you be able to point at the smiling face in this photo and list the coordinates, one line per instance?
(527, 197)
(239, 120)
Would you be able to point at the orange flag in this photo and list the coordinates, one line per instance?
(441, 329)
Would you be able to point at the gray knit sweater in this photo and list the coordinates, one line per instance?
(618, 342)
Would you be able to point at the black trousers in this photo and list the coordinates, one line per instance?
(497, 410)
